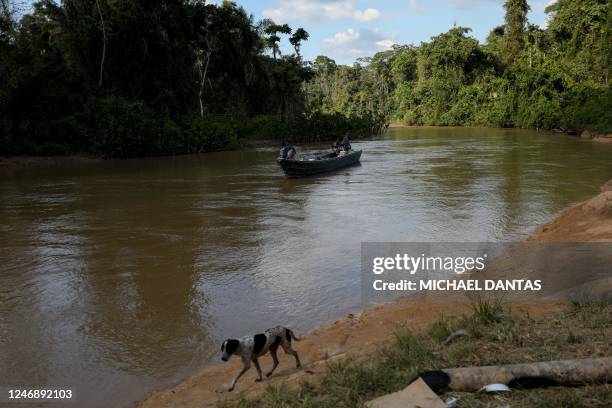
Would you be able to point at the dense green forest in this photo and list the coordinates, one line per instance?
(524, 76)
(147, 77)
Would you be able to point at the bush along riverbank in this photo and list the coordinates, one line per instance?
(122, 129)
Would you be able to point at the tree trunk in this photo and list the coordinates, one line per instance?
(202, 82)
(564, 372)
(103, 44)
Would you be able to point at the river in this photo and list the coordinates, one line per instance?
(120, 277)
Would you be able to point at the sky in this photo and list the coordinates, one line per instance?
(345, 30)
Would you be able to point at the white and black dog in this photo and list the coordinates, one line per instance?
(249, 348)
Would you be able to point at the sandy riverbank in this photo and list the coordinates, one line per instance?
(353, 336)
(359, 335)
(590, 221)
(596, 137)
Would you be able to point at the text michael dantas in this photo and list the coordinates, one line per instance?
(410, 267)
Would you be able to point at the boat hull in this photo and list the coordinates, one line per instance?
(303, 168)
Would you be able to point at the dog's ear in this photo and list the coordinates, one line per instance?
(231, 346)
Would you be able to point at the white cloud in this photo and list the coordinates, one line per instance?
(317, 10)
(385, 44)
(351, 44)
(367, 15)
(343, 37)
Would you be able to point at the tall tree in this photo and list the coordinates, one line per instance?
(516, 21)
(296, 40)
(273, 30)
(6, 16)
(104, 42)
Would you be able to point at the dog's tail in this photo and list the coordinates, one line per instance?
(291, 335)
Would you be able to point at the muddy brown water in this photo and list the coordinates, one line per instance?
(120, 277)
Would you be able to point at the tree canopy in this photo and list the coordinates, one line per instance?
(523, 76)
(135, 77)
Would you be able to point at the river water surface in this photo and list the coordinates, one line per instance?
(120, 277)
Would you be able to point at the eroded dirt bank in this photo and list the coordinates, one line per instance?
(359, 335)
(590, 221)
(596, 137)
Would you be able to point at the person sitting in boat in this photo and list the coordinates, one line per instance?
(346, 144)
(287, 152)
(336, 147)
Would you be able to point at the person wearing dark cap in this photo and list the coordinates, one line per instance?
(286, 151)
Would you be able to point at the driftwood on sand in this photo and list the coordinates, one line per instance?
(529, 375)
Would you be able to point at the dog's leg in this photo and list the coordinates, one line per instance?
(258, 369)
(289, 350)
(245, 367)
(274, 360)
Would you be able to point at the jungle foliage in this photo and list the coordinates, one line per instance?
(524, 76)
(135, 78)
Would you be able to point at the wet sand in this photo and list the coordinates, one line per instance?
(358, 335)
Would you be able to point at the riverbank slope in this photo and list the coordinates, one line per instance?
(596, 137)
(590, 221)
(358, 336)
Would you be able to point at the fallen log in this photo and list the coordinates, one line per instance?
(529, 375)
